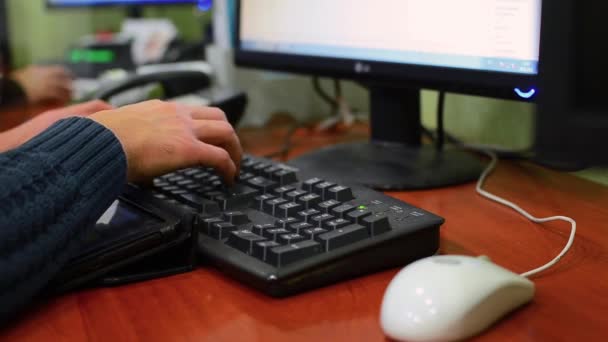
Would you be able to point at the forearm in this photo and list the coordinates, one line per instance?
(9, 140)
(52, 189)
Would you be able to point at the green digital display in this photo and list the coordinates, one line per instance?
(92, 56)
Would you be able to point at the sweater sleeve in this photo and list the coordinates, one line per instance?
(52, 190)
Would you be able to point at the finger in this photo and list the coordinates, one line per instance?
(221, 134)
(59, 94)
(58, 72)
(207, 113)
(60, 83)
(217, 158)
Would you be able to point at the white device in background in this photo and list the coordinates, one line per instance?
(449, 298)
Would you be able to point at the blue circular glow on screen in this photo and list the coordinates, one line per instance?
(205, 5)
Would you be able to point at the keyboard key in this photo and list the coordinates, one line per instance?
(259, 229)
(191, 172)
(336, 224)
(221, 230)
(160, 183)
(236, 217)
(168, 175)
(202, 177)
(342, 237)
(176, 178)
(269, 171)
(294, 195)
(322, 188)
(200, 204)
(285, 255)
(244, 240)
(213, 178)
(249, 164)
(340, 193)
(204, 225)
(358, 215)
(285, 222)
(341, 210)
(305, 215)
(273, 234)
(237, 197)
(258, 169)
(285, 177)
(204, 190)
(271, 206)
(260, 200)
(327, 206)
(312, 233)
(178, 191)
(286, 239)
(260, 249)
(309, 201)
(212, 195)
(319, 220)
(308, 185)
(283, 190)
(245, 176)
(262, 184)
(376, 224)
(193, 186)
(299, 227)
(288, 209)
(170, 188)
(184, 182)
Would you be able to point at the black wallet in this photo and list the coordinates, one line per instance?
(139, 237)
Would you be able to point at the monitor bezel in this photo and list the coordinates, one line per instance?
(465, 81)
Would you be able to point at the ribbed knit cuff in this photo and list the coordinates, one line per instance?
(88, 150)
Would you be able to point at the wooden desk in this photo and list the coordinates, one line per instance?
(571, 303)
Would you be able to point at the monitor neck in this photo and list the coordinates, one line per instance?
(135, 12)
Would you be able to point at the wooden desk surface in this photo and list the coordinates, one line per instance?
(571, 303)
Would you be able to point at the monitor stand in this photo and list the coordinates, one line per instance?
(395, 158)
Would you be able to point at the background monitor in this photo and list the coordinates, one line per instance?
(395, 48)
(133, 6)
(82, 3)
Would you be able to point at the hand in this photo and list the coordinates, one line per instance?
(45, 83)
(160, 137)
(20, 134)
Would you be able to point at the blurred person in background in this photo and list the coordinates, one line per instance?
(35, 85)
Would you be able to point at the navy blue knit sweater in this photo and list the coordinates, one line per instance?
(52, 189)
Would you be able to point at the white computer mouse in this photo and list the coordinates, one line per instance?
(450, 298)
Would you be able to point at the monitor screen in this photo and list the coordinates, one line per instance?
(486, 35)
(81, 3)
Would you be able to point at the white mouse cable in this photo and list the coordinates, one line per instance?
(515, 207)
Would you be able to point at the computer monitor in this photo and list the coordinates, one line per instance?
(572, 115)
(395, 48)
(133, 5)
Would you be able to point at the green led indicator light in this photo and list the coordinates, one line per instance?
(92, 56)
(362, 207)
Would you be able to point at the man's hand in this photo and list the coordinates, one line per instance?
(160, 137)
(45, 83)
(20, 134)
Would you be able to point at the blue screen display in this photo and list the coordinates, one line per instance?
(80, 3)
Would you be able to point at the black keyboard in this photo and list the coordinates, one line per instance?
(283, 231)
